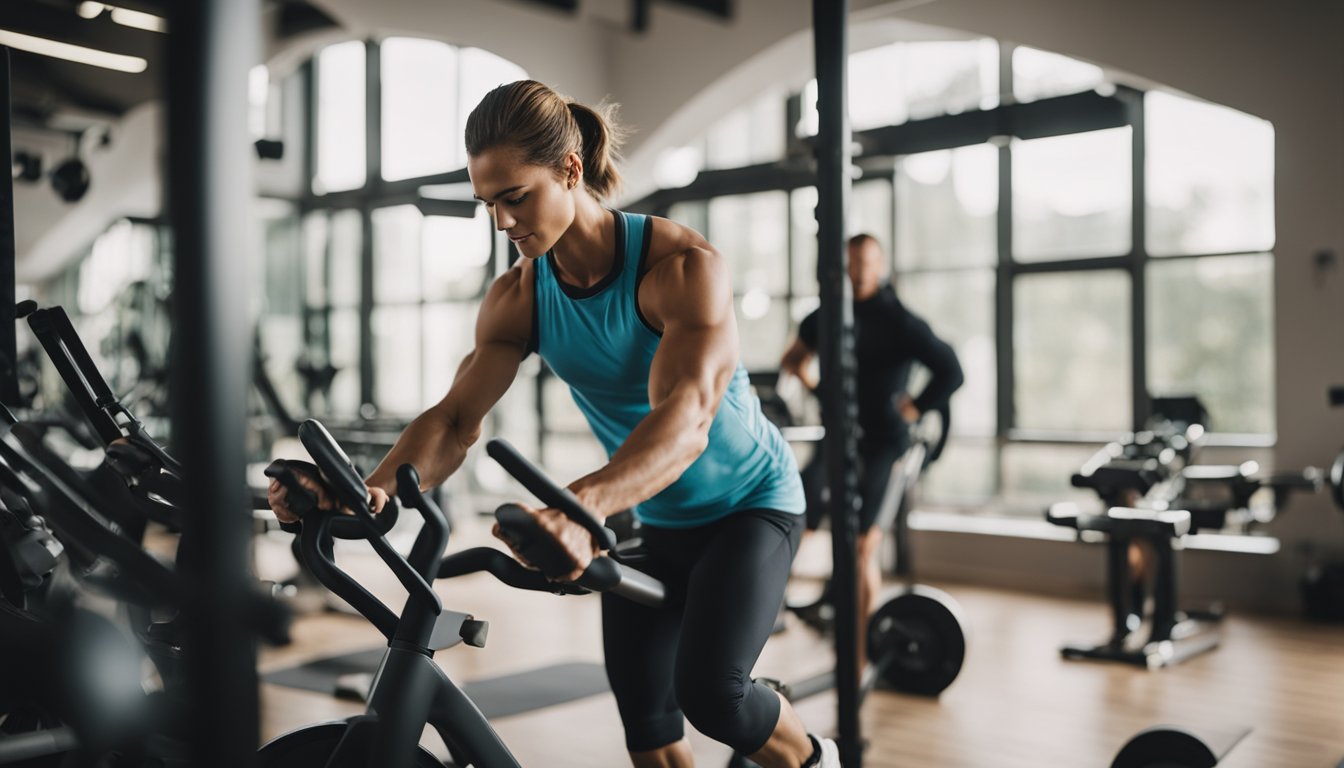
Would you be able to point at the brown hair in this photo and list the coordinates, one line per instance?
(862, 238)
(546, 126)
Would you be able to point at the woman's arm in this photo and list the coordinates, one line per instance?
(689, 295)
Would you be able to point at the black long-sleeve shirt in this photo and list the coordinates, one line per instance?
(888, 338)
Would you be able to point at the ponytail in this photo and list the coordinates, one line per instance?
(546, 127)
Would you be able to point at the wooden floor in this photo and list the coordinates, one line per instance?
(1016, 703)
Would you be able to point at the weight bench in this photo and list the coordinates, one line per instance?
(1175, 635)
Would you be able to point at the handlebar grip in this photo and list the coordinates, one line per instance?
(408, 485)
(548, 492)
(336, 471)
(299, 499)
(539, 548)
(335, 465)
(604, 574)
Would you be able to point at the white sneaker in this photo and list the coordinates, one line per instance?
(830, 753)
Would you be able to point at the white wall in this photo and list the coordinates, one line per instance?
(124, 181)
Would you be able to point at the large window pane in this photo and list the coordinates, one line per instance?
(870, 212)
(1072, 195)
(959, 307)
(562, 414)
(449, 335)
(1040, 74)
(693, 214)
(281, 338)
(1038, 475)
(456, 254)
(1071, 349)
(481, 72)
(763, 330)
(874, 71)
(1210, 333)
(282, 267)
(803, 209)
(340, 118)
(1210, 174)
(751, 231)
(946, 206)
(316, 232)
(396, 254)
(397, 358)
(915, 81)
(751, 134)
(573, 454)
(950, 76)
(347, 246)
(120, 256)
(966, 473)
(258, 89)
(419, 83)
(345, 349)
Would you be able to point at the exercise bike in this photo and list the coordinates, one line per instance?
(409, 690)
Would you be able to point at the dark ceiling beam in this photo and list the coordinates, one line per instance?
(1057, 116)
(295, 17)
(569, 6)
(157, 7)
(639, 10)
(1075, 113)
(42, 20)
(37, 89)
(766, 177)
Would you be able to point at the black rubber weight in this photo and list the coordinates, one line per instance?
(917, 643)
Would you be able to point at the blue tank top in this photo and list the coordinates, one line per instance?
(597, 342)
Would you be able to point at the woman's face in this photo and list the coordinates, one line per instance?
(532, 204)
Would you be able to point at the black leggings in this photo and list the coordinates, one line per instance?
(725, 583)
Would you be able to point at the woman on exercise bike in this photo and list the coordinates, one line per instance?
(634, 313)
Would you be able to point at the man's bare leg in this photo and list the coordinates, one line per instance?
(870, 583)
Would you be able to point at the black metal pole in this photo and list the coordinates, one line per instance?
(9, 370)
(1142, 405)
(212, 45)
(837, 357)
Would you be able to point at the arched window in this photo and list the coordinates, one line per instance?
(1115, 247)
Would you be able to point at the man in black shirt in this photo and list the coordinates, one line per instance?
(888, 340)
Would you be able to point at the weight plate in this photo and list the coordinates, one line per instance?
(916, 641)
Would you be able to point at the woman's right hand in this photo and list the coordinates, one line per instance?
(276, 494)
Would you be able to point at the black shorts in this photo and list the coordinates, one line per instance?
(875, 466)
(692, 658)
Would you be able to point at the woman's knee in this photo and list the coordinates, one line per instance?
(712, 700)
(728, 707)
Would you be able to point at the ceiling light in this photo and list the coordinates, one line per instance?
(90, 10)
(69, 52)
(147, 21)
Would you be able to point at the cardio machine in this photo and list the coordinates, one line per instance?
(409, 690)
